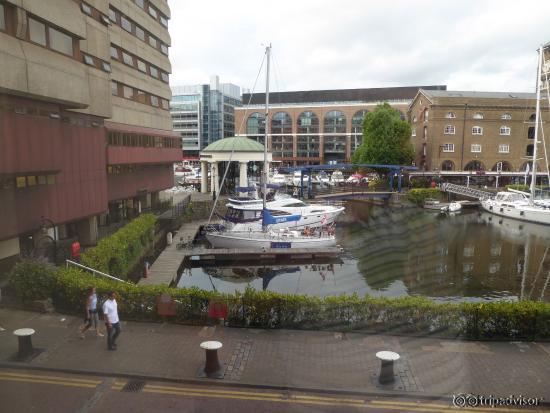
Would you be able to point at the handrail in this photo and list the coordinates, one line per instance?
(466, 191)
(67, 262)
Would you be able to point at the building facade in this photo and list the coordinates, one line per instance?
(474, 131)
(319, 126)
(203, 114)
(85, 127)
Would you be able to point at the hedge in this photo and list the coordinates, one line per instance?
(118, 254)
(264, 309)
(419, 195)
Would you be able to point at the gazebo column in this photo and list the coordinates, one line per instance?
(204, 177)
(243, 177)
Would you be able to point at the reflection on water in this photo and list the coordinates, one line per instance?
(408, 251)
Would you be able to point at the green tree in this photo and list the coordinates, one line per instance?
(385, 138)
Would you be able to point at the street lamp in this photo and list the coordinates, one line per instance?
(54, 238)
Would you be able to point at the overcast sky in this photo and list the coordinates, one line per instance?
(481, 45)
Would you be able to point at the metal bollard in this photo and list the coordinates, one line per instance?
(24, 341)
(386, 370)
(212, 367)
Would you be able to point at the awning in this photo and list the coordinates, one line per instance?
(139, 130)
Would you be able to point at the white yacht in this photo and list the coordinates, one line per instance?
(519, 205)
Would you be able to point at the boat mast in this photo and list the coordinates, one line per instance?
(537, 121)
(266, 170)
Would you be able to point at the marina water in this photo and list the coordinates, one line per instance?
(403, 250)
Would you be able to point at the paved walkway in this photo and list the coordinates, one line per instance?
(296, 359)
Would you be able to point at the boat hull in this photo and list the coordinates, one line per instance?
(522, 213)
(264, 241)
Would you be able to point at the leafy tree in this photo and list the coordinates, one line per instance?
(385, 138)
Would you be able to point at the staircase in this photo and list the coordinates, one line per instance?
(466, 191)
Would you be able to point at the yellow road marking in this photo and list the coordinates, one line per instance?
(450, 407)
(298, 396)
(59, 383)
(39, 376)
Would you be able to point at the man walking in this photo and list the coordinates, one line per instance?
(112, 322)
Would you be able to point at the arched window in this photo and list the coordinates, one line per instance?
(425, 114)
(533, 117)
(334, 122)
(450, 115)
(357, 121)
(474, 166)
(414, 119)
(255, 124)
(478, 115)
(505, 116)
(308, 122)
(447, 166)
(281, 123)
(502, 166)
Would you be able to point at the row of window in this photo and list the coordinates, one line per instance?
(94, 13)
(120, 169)
(44, 35)
(137, 95)
(96, 62)
(477, 130)
(474, 148)
(28, 181)
(501, 166)
(477, 115)
(307, 122)
(131, 27)
(132, 60)
(143, 141)
(152, 11)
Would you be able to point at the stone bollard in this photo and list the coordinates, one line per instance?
(212, 367)
(386, 371)
(24, 341)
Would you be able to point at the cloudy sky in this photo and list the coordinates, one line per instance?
(482, 45)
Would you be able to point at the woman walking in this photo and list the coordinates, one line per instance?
(91, 316)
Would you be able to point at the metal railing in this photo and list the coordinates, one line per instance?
(94, 272)
(466, 191)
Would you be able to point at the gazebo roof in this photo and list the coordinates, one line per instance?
(237, 143)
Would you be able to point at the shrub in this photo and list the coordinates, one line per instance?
(119, 253)
(419, 195)
(32, 280)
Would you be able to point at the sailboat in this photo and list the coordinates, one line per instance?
(269, 236)
(516, 204)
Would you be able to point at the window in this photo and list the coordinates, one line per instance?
(128, 92)
(448, 147)
(154, 101)
(20, 182)
(414, 119)
(505, 130)
(153, 12)
(141, 96)
(31, 180)
(165, 104)
(114, 52)
(140, 33)
(477, 130)
(37, 32)
(89, 60)
(475, 148)
(141, 66)
(506, 116)
(503, 148)
(125, 23)
(413, 133)
(86, 9)
(478, 115)
(152, 42)
(164, 76)
(449, 130)
(106, 66)
(114, 88)
(450, 115)
(425, 114)
(61, 42)
(3, 18)
(153, 71)
(164, 48)
(163, 21)
(112, 15)
(129, 60)
(140, 3)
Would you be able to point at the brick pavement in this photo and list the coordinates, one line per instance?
(288, 358)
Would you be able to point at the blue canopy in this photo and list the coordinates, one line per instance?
(245, 189)
(268, 219)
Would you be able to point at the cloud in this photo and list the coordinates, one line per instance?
(468, 45)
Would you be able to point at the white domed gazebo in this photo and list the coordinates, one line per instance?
(244, 150)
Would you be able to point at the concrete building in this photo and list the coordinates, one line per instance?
(318, 126)
(85, 127)
(203, 114)
(474, 131)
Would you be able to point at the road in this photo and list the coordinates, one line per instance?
(25, 391)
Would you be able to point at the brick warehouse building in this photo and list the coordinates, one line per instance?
(474, 131)
(85, 127)
(318, 126)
